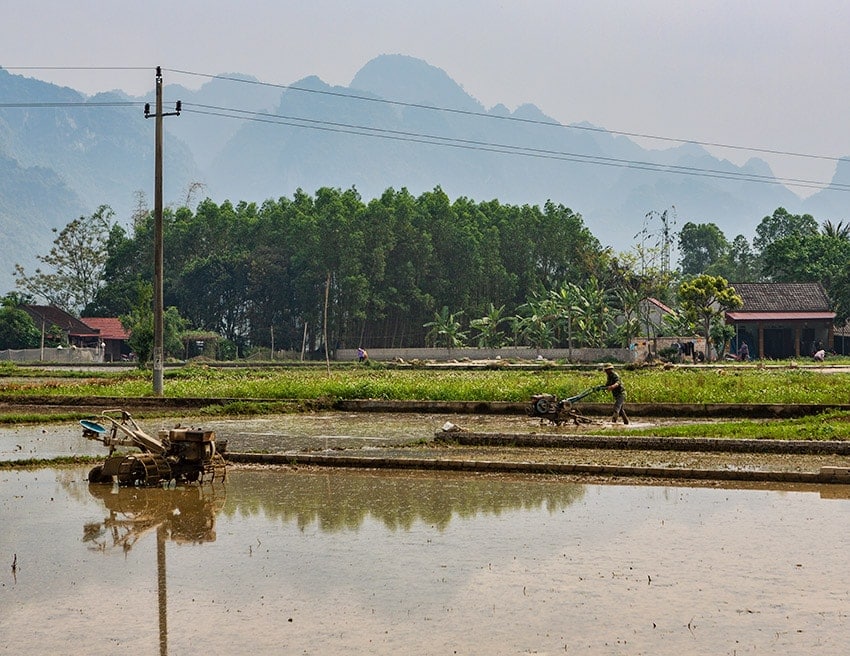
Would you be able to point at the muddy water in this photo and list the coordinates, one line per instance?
(273, 433)
(331, 562)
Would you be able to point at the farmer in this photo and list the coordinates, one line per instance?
(362, 356)
(614, 385)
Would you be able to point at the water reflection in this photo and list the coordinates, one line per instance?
(183, 515)
(510, 565)
(335, 500)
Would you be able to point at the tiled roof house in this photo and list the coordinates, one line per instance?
(113, 337)
(782, 320)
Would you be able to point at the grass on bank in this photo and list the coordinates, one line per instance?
(833, 425)
(254, 391)
(696, 385)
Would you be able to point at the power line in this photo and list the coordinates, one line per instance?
(517, 119)
(429, 139)
(373, 99)
(37, 105)
(76, 68)
(469, 144)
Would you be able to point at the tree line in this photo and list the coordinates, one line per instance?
(409, 271)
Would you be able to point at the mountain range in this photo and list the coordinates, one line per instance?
(400, 123)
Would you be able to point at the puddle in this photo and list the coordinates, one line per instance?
(355, 562)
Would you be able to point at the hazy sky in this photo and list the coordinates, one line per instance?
(757, 73)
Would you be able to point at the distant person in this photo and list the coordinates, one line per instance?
(819, 356)
(743, 352)
(362, 356)
(614, 385)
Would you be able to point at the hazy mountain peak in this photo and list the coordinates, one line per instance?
(757, 166)
(842, 171)
(312, 82)
(410, 80)
(531, 112)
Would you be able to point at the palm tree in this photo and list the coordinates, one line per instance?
(445, 329)
(490, 334)
(838, 230)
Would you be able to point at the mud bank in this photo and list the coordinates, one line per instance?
(515, 463)
(680, 410)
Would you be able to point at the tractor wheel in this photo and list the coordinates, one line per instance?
(542, 406)
(96, 475)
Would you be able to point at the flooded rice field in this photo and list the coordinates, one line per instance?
(301, 561)
(309, 561)
(285, 432)
(272, 433)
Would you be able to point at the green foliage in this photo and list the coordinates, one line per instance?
(680, 385)
(781, 225)
(245, 271)
(76, 263)
(139, 323)
(813, 257)
(721, 334)
(17, 329)
(700, 247)
(490, 333)
(705, 297)
(445, 330)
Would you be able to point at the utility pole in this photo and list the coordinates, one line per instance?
(158, 331)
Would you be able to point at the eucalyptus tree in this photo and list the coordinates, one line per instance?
(700, 247)
(402, 262)
(207, 266)
(564, 248)
(780, 225)
(341, 241)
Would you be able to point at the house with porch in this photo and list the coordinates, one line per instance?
(782, 320)
(105, 337)
(113, 337)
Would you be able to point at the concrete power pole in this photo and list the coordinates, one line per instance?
(158, 330)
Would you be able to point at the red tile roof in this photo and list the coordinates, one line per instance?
(109, 327)
(780, 316)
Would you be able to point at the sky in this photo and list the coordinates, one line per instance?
(758, 74)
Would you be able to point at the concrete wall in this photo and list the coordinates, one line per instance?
(70, 354)
(518, 353)
(638, 353)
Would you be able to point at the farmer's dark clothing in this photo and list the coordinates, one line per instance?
(618, 390)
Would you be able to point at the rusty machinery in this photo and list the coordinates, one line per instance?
(183, 455)
(558, 411)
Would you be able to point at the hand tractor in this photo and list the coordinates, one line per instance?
(183, 455)
(549, 407)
